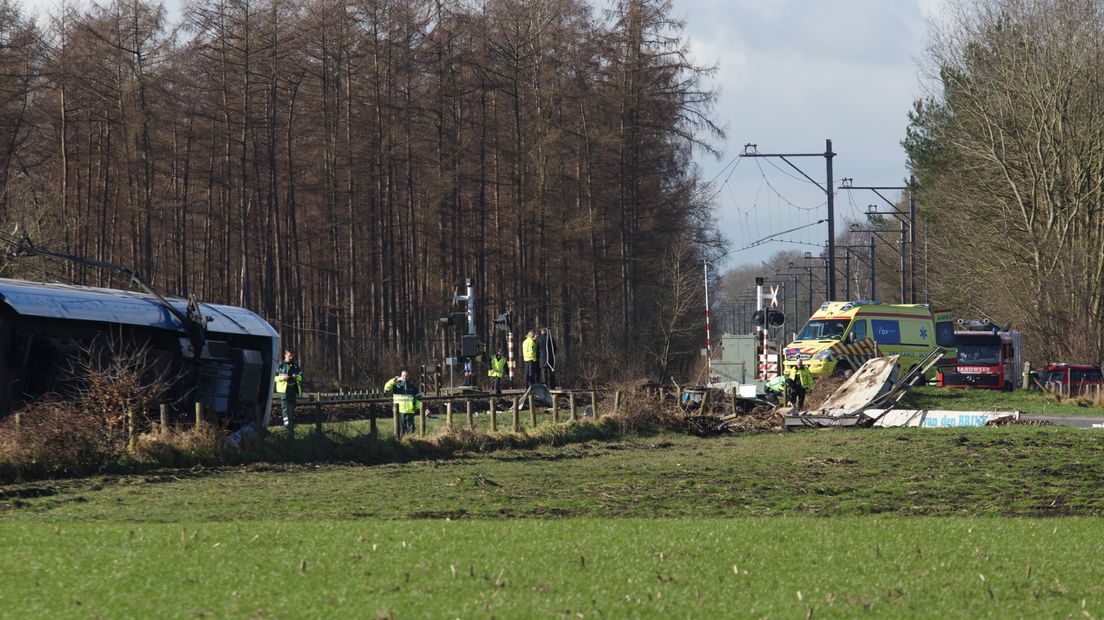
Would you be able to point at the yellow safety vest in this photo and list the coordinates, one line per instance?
(803, 376)
(529, 350)
(405, 402)
(282, 384)
(498, 367)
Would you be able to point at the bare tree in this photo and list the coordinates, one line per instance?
(1011, 161)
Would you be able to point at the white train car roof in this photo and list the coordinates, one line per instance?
(84, 303)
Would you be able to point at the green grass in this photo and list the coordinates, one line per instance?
(741, 567)
(871, 523)
(993, 400)
(1010, 471)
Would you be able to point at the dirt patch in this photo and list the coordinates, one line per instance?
(822, 389)
(828, 461)
(27, 493)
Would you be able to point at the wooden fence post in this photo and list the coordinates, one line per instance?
(616, 402)
(1026, 376)
(198, 415)
(532, 413)
(705, 401)
(396, 419)
(448, 414)
(514, 414)
(422, 418)
(165, 419)
(735, 408)
(469, 414)
(132, 430)
(571, 406)
(373, 426)
(493, 415)
(555, 410)
(594, 405)
(318, 417)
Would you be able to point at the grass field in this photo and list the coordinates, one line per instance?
(1011, 471)
(569, 568)
(912, 522)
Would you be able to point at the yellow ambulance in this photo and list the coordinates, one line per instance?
(842, 335)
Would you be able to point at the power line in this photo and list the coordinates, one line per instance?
(790, 174)
(752, 150)
(783, 198)
(770, 237)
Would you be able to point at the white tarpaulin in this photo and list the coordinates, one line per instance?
(932, 418)
(875, 378)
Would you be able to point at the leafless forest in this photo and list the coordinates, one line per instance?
(341, 167)
(1009, 152)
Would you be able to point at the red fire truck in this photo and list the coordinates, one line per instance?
(987, 358)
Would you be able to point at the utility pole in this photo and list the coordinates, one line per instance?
(809, 257)
(761, 330)
(876, 232)
(872, 210)
(847, 273)
(797, 289)
(904, 240)
(830, 191)
(873, 272)
(911, 237)
(708, 337)
(810, 274)
(751, 150)
(852, 251)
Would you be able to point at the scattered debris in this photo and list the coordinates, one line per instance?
(873, 380)
(758, 419)
(1018, 421)
(540, 394)
(876, 384)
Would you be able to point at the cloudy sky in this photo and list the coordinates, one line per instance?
(792, 73)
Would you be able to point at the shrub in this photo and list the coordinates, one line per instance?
(87, 431)
(51, 437)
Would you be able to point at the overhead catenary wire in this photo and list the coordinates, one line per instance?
(796, 242)
(783, 198)
(776, 207)
(789, 174)
(777, 234)
(854, 207)
(716, 189)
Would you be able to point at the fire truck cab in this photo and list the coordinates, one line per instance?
(987, 358)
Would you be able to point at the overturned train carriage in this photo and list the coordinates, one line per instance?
(45, 328)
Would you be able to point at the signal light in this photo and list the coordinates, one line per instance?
(505, 321)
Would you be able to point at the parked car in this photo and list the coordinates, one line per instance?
(1073, 378)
